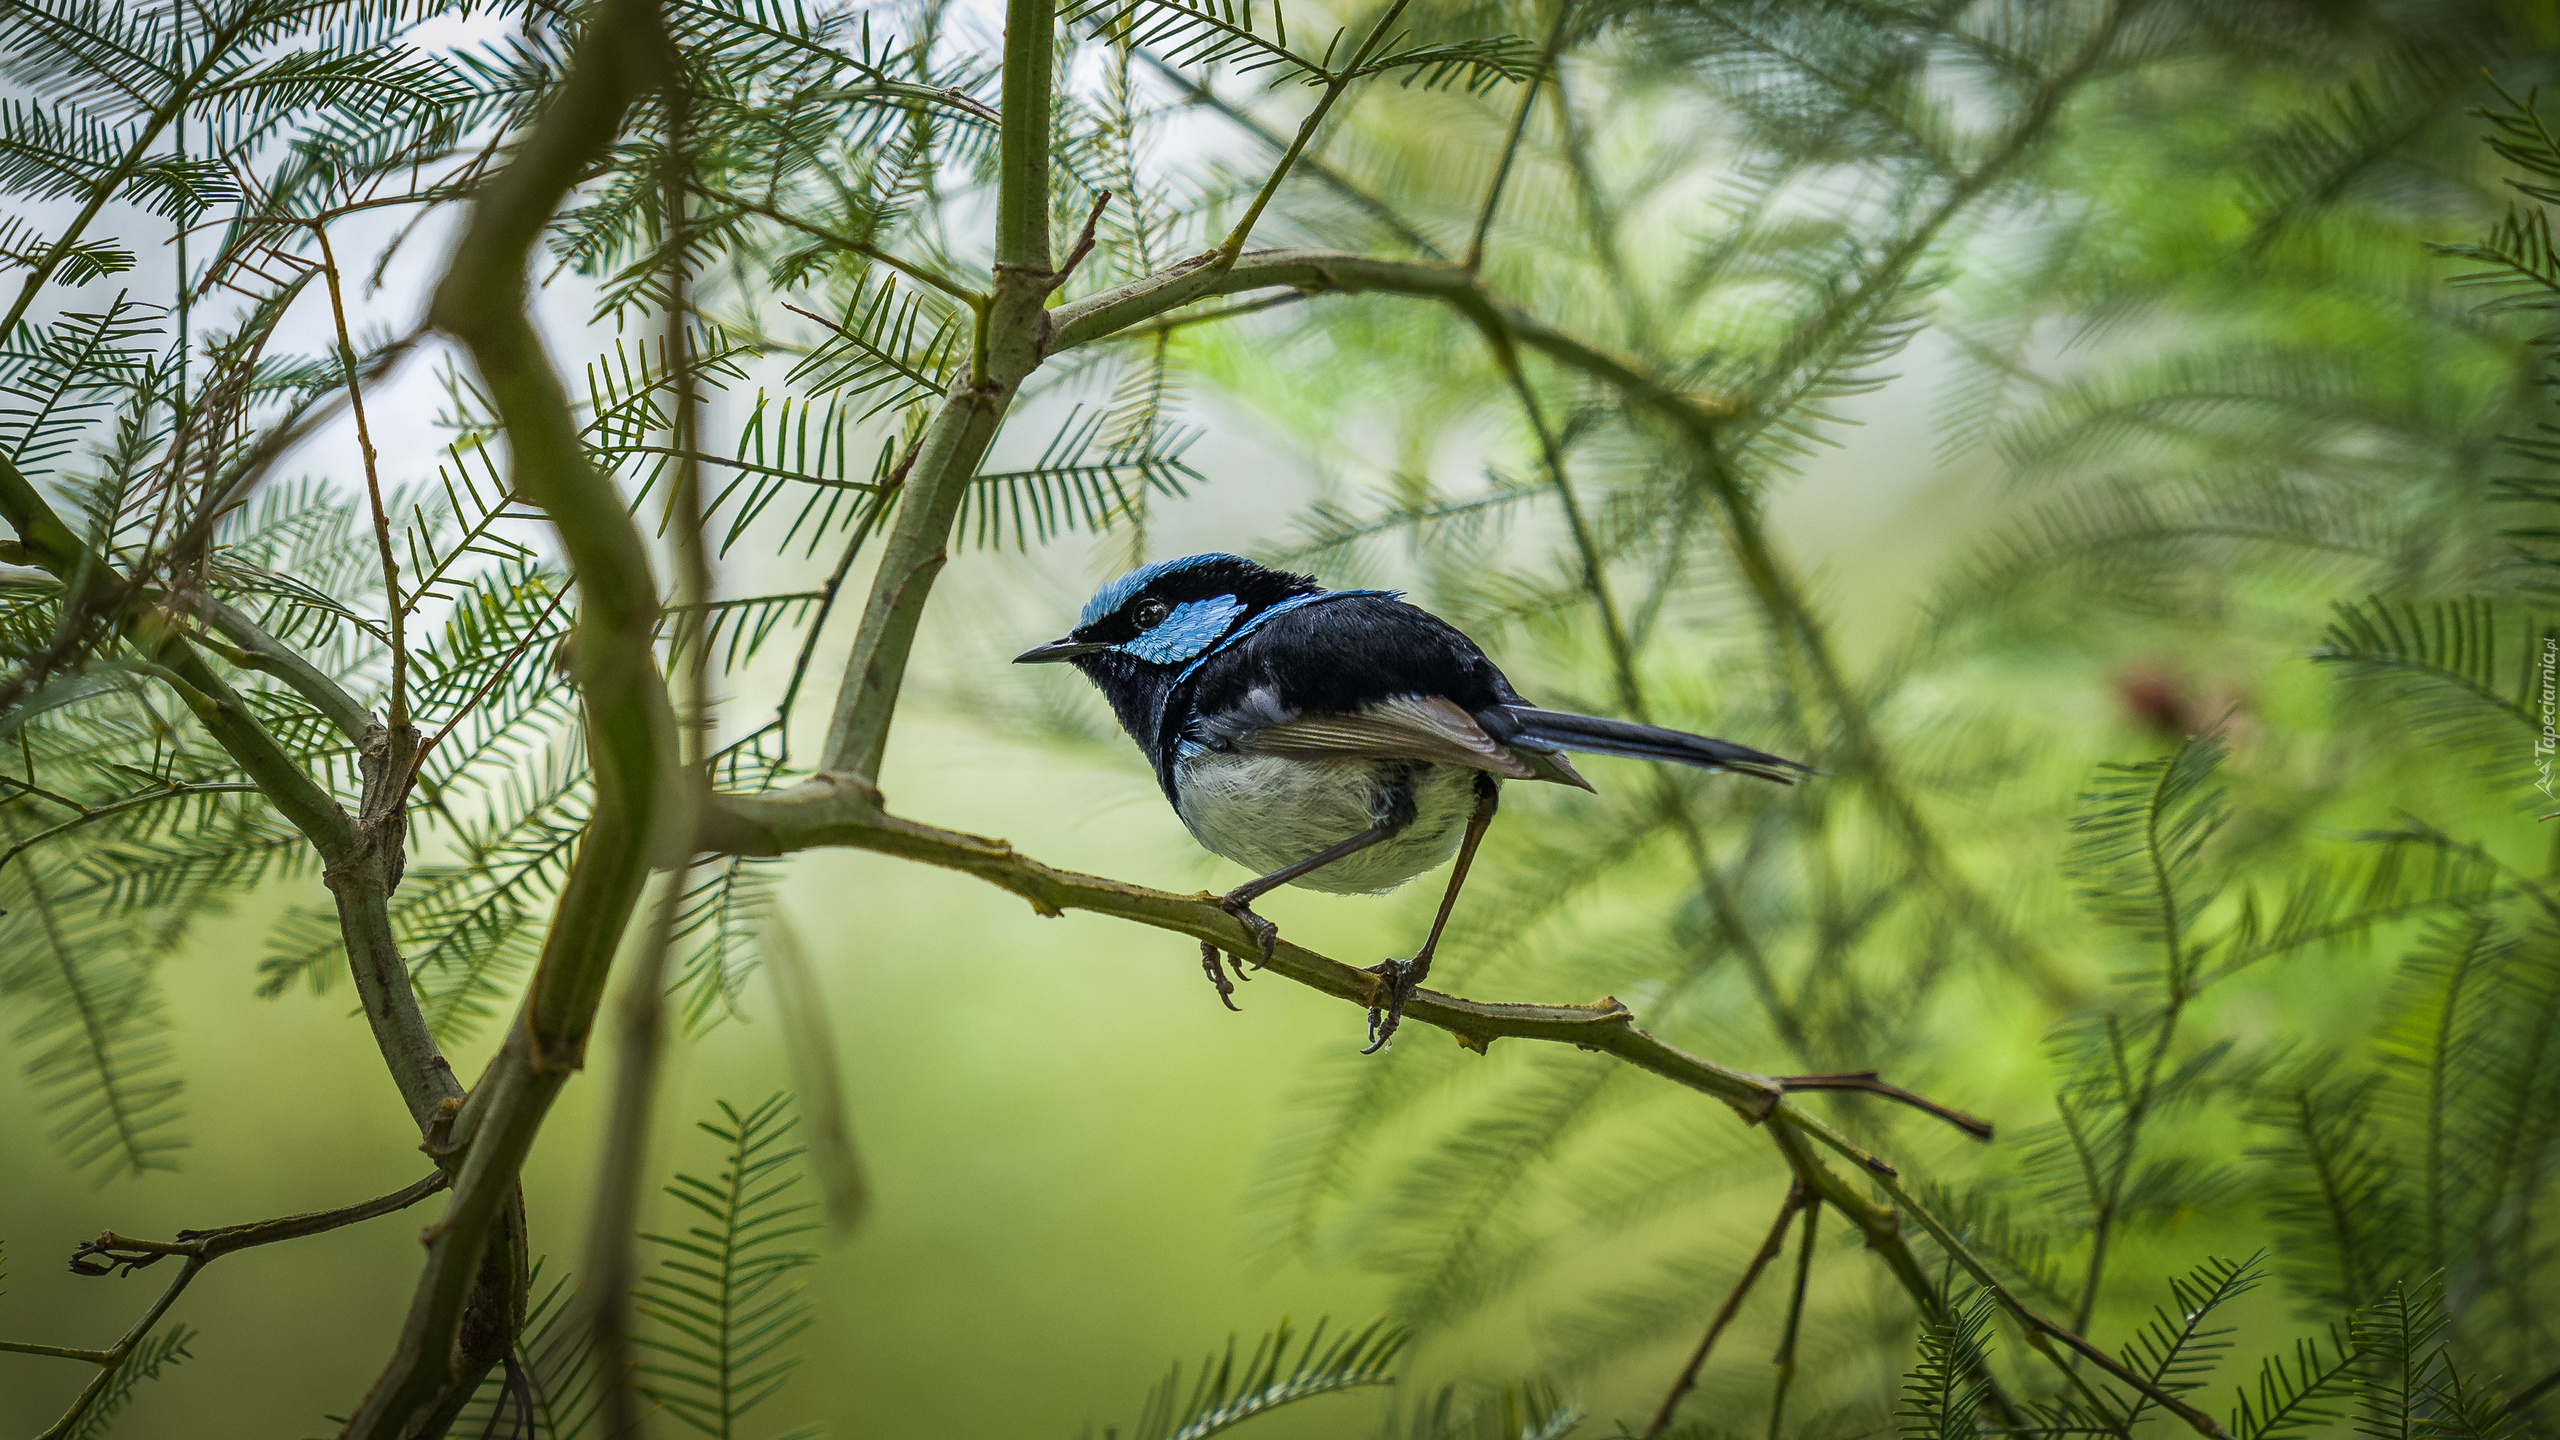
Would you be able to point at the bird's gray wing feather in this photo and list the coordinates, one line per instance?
(1409, 727)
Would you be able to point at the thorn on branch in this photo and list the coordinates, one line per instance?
(1084, 241)
(1866, 1081)
(814, 315)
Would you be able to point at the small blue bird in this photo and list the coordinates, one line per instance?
(1342, 740)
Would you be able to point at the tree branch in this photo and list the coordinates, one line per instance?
(1333, 179)
(1015, 331)
(258, 650)
(613, 1260)
(1699, 424)
(111, 1253)
(449, 1339)
(1786, 1357)
(832, 811)
(1334, 85)
(1687, 1379)
(1866, 1081)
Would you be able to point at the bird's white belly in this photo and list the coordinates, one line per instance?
(1266, 812)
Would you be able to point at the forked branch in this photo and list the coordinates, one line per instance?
(111, 1253)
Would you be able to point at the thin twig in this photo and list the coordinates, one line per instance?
(957, 99)
(1786, 1358)
(1687, 1380)
(705, 457)
(113, 1253)
(397, 712)
(29, 788)
(1866, 1081)
(532, 633)
(1722, 902)
(1334, 85)
(921, 274)
(1474, 257)
(1084, 241)
(1171, 323)
(130, 802)
(1340, 183)
(833, 590)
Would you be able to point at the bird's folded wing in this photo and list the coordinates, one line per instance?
(1409, 727)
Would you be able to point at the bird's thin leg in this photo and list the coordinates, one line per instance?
(1239, 901)
(1404, 976)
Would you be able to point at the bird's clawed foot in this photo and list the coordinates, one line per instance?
(1211, 960)
(1264, 932)
(1402, 977)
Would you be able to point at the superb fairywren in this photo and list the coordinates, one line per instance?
(1338, 739)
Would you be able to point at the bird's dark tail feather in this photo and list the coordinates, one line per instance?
(1562, 730)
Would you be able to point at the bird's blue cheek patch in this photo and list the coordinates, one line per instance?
(1192, 627)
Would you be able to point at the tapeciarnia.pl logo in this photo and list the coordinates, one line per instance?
(2549, 740)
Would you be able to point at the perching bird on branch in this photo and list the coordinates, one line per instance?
(1338, 739)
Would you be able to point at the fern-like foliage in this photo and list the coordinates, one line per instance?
(2412, 1387)
(1528, 1410)
(2447, 667)
(2136, 842)
(1230, 1388)
(158, 1353)
(724, 1298)
(2180, 1346)
(94, 1026)
(2301, 1390)
(1942, 1395)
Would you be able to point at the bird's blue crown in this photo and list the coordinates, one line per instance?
(1111, 597)
(1211, 601)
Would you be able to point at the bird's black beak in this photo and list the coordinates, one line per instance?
(1056, 650)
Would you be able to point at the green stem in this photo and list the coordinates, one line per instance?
(629, 728)
(1334, 85)
(258, 650)
(397, 711)
(921, 274)
(1333, 179)
(1474, 257)
(1015, 333)
(116, 807)
(1022, 150)
(613, 1261)
(1721, 901)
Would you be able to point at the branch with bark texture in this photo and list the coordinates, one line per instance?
(111, 1253)
(834, 811)
(628, 724)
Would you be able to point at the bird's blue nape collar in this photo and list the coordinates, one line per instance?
(1116, 594)
(1248, 627)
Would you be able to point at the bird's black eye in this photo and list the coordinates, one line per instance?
(1150, 613)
